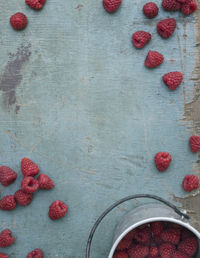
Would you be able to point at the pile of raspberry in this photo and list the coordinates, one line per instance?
(158, 240)
(24, 196)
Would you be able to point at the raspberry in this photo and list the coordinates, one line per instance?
(185, 233)
(190, 183)
(130, 235)
(140, 38)
(123, 245)
(153, 59)
(111, 5)
(189, 7)
(6, 238)
(174, 225)
(172, 79)
(195, 143)
(29, 184)
(153, 252)
(57, 210)
(18, 21)
(157, 227)
(139, 251)
(166, 27)
(7, 175)
(29, 168)
(45, 182)
(162, 161)
(37, 253)
(143, 235)
(150, 10)
(35, 4)
(7, 203)
(157, 240)
(166, 250)
(3, 255)
(179, 254)
(188, 246)
(171, 235)
(122, 254)
(22, 198)
(171, 5)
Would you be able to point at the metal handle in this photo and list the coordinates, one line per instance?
(89, 242)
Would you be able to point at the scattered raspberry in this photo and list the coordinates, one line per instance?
(35, 4)
(190, 183)
(111, 5)
(7, 203)
(121, 254)
(179, 254)
(123, 245)
(166, 27)
(139, 251)
(171, 235)
(162, 161)
(153, 252)
(195, 143)
(188, 246)
(7, 175)
(166, 250)
(45, 182)
(22, 198)
(57, 210)
(150, 10)
(143, 235)
(6, 238)
(172, 80)
(157, 240)
(37, 253)
(29, 184)
(189, 7)
(157, 227)
(18, 21)
(153, 59)
(130, 235)
(29, 168)
(185, 233)
(140, 38)
(171, 5)
(3, 255)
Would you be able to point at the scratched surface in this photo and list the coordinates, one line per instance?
(76, 98)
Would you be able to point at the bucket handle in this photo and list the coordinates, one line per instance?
(89, 242)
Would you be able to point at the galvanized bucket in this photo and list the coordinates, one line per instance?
(141, 215)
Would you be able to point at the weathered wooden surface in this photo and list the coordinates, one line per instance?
(76, 98)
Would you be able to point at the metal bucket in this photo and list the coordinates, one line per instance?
(142, 215)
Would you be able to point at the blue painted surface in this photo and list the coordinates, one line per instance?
(90, 114)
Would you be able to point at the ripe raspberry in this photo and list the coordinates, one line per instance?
(22, 198)
(139, 251)
(157, 240)
(143, 235)
(140, 38)
(123, 245)
(185, 233)
(166, 27)
(172, 80)
(29, 184)
(150, 10)
(121, 254)
(190, 183)
(18, 21)
(171, 5)
(174, 225)
(3, 255)
(188, 246)
(29, 168)
(157, 227)
(57, 210)
(153, 59)
(171, 235)
(35, 4)
(189, 7)
(179, 254)
(6, 238)
(7, 203)
(153, 252)
(111, 5)
(45, 182)
(195, 143)
(130, 235)
(7, 175)
(37, 253)
(162, 161)
(166, 250)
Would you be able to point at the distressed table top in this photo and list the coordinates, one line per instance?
(76, 98)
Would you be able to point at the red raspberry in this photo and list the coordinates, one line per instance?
(111, 5)
(123, 245)
(171, 5)
(139, 251)
(162, 161)
(185, 233)
(18, 21)
(157, 240)
(153, 252)
(121, 254)
(45, 182)
(29, 184)
(3, 255)
(171, 235)
(166, 250)
(172, 79)
(57, 210)
(166, 27)
(22, 198)
(29, 168)
(157, 227)
(130, 235)
(195, 143)
(7, 203)
(143, 235)
(140, 38)
(189, 7)
(174, 225)
(7, 175)
(35, 4)
(37, 253)
(150, 10)
(188, 246)
(153, 59)
(190, 183)
(179, 254)
(6, 238)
